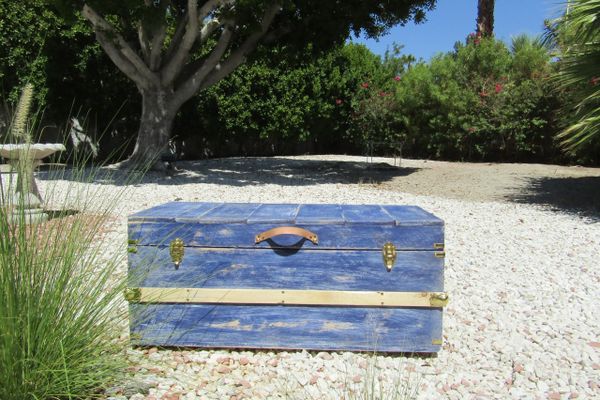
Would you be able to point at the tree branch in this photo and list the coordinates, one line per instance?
(112, 39)
(175, 63)
(192, 84)
(120, 60)
(144, 43)
(239, 55)
(177, 36)
(208, 29)
(157, 44)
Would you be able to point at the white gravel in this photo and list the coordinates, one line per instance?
(523, 320)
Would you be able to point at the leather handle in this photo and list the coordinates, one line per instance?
(287, 230)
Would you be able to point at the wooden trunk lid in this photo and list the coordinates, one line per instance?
(337, 226)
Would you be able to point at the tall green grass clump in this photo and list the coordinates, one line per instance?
(62, 315)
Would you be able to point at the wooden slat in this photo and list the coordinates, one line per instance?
(366, 214)
(274, 214)
(287, 297)
(414, 271)
(351, 236)
(381, 329)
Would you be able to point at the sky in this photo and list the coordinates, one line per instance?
(453, 20)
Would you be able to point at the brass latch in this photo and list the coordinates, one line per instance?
(389, 255)
(438, 299)
(440, 253)
(176, 250)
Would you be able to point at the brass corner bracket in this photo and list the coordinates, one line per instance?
(438, 299)
(133, 295)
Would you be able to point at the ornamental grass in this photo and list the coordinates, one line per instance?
(62, 313)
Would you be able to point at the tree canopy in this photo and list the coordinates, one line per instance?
(172, 49)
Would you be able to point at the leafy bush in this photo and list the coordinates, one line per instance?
(479, 102)
(577, 38)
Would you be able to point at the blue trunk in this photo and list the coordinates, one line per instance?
(222, 251)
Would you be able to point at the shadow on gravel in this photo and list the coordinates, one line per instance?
(258, 171)
(573, 195)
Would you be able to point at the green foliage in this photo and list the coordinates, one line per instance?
(275, 105)
(71, 73)
(24, 29)
(480, 102)
(578, 37)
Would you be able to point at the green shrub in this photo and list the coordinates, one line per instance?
(479, 102)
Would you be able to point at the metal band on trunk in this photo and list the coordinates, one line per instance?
(287, 297)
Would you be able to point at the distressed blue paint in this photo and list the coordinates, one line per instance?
(351, 236)
(287, 327)
(274, 214)
(221, 253)
(305, 269)
(229, 213)
(315, 214)
(412, 215)
(167, 211)
(367, 214)
(208, 213)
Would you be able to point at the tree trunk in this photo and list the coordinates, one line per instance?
(485, 17)
(154, 132)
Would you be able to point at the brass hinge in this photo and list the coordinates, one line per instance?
(438, 299)
(176, 249)
(440, 247)
(389, 255)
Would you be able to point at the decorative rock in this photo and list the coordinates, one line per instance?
(325, 356)
(223, 369)
(244, 361)
(531, 316)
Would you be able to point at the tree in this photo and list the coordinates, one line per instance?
(576, 37)
(485, 17)
(172, 49)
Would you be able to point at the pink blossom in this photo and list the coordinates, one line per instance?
(498, 87)
(339, 101)
(397, 78)
(364, 85)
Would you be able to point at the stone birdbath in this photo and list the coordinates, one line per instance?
(25, 158)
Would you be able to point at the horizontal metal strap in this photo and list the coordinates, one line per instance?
(288, 297)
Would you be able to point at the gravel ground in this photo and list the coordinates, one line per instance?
(523, 320)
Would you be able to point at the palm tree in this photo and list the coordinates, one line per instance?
(577, 36)
(485, 17)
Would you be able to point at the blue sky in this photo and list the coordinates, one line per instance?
(453, 20)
